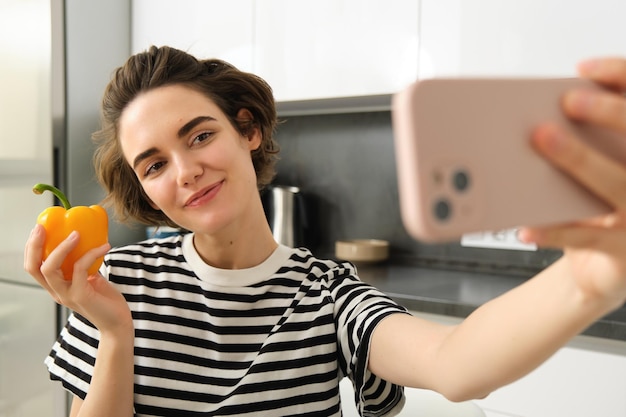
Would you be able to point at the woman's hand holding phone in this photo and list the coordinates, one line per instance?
(594, 249)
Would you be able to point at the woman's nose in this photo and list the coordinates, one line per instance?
(187, 170)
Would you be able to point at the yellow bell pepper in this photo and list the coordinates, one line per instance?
(90, 222)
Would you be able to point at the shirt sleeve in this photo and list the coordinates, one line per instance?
(73, 355)
(359, 308)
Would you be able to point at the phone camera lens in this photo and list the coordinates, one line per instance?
(461, 180)
(442, 209)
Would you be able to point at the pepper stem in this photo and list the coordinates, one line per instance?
(40, 188)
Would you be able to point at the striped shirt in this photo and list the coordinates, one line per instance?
(272, 340)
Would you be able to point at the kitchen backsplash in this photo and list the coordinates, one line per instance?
(345, 166)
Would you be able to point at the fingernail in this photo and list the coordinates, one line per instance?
(550, 139)
(588, 66)
(73, 235)
(522, 235)
(526, 235)
(578, 102)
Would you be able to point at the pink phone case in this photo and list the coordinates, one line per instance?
(465, 163)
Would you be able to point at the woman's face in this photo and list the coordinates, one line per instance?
(191, 162)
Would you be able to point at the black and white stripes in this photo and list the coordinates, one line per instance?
(273, 340)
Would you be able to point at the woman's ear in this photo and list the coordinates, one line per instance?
(249, 129)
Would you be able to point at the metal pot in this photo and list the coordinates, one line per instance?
(286, 214)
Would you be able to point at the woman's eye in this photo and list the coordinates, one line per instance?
(153, 168)
(203, 137)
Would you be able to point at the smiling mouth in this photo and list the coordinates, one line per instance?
(204, 196)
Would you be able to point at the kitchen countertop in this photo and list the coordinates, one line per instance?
(457, 293)
(428, 290)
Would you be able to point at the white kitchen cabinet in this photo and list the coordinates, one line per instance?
(336, 48)
(517, 38)
(585, 378)
(322, 49)
(576, 382)
(305, 49)
(204, 28)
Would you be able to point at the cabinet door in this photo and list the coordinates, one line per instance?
(575, 382)
(205, 28)
(523, 38)
(336, 48)
(585, 378)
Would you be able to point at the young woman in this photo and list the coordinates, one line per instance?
(224, 321)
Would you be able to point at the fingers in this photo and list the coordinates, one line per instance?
(51, 267)
(49, 274)
(603, 108)
(81, 266)
(607, 239)
(80, 287)
(33, 256)
(33, 251)
(610, 71)
(597, 172)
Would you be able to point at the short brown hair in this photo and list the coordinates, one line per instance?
(229, 88)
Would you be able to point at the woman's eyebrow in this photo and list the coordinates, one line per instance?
(187, 127)
(145, 154)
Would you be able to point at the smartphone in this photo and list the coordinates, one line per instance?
(465, 163)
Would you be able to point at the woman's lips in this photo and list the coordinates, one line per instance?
(204, 195)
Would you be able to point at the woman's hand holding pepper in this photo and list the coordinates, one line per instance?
(595, 250)
(92, 296)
